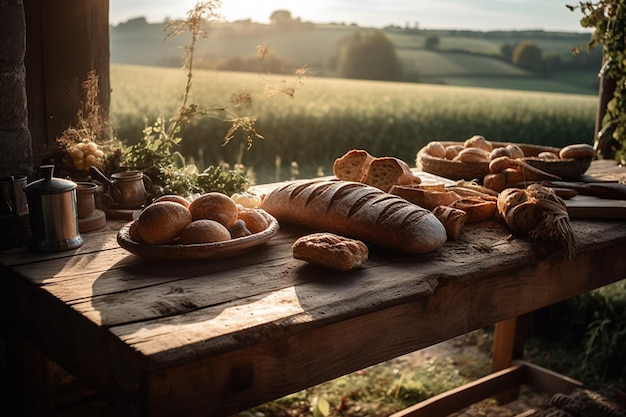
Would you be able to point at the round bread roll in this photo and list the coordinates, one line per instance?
(133, 233)
(203, 231)
(214, 206)
(478, 141)
(160, 223)
(254, 220)
(579, 150)
(515, 150)
(175, 198)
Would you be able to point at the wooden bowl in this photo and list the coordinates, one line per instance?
(224, 249)
(457, 170)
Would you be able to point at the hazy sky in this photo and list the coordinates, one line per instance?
(550, 15)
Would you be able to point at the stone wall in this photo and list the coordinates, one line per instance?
(15, 140)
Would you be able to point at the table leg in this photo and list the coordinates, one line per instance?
(508, 344)
(28, 378)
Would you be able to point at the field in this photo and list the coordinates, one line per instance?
(326, 117)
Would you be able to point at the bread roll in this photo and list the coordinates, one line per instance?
(478, 141)
(452, 219)
(383, 173)
(580, 150)
(160, 223)
(353, 165)
(173, 197)
(359, 211)
(436, 149)
(472, 155)
(254, 220)
(214, 206)
(203, 231)
(330, 251)
(478, 210)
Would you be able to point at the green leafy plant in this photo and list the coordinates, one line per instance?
(156, 152)
(608, 19)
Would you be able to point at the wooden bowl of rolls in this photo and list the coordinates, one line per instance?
(211, 225)
(469, 160)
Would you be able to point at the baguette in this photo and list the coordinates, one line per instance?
(359, 211)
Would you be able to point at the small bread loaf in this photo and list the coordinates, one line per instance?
(353, 165)
(472, 155)
(330, 251)
(436, 149)
(359, 211)
(515, 150)
(478, 141)
(453, 150)
(161, 223)
(429, 199)
(214, 206)
(203, 231)
(524, 217)
(477, 209)
(580, 150)
(385, 172)
(173, 197)
(452, 219)
(254, 220)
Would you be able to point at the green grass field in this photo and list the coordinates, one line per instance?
(327, 116)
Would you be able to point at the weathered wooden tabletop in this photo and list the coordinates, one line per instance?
(213, 337)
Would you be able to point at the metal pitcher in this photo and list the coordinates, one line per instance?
(53, 212)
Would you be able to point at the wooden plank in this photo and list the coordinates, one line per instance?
(456, 399)
(520, 373)
(278, 357)
(503, 350)
(589, 207)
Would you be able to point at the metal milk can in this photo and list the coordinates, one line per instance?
(53, 212)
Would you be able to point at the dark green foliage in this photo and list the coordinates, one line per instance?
(432, 42)
(530, 56)
(584, 337)
(370, 56)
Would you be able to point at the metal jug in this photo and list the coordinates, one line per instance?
(53, 212)
(14, 223)
(128, 189)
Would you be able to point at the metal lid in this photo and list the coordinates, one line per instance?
(49, 184)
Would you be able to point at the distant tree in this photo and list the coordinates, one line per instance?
(530, 56)
(432, 42)
(506, 51)
(281, 17)
(369, 55)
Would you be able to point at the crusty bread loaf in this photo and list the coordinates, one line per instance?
(429, 199)
(452, 219)
(353, 165)
(330, 251)
(357, 210)
(477, 209)
(385, 172)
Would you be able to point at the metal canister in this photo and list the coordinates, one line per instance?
(53, 212)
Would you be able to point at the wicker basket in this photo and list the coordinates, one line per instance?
(457, 170)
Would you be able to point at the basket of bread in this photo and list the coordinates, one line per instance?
(471, 159)
(212, 225)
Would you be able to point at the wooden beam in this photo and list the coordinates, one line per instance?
(65, 40)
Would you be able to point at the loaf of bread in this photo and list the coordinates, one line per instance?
(423, 197)
(329, 250)
(359, 211)
(387, 171)
(353, 165)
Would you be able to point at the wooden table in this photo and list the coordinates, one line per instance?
(213, 337)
